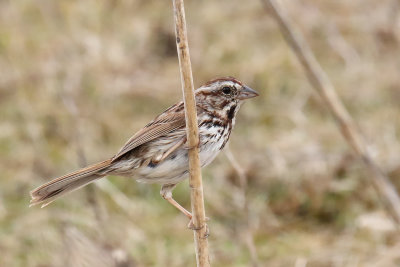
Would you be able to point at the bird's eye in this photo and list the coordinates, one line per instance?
(226, 90)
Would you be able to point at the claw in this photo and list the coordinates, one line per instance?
(187, 147)
(192, 227)
(207, 231)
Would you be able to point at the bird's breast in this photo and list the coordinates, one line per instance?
(213, 137)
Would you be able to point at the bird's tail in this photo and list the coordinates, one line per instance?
(60, 186)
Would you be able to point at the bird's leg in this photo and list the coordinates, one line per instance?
(166, 193)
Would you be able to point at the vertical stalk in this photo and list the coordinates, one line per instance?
(196, 186)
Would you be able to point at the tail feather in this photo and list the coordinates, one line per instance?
(58, 187)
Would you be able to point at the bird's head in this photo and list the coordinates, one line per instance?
(223, 92)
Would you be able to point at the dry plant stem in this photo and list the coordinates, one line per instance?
(105, 185)
(196, 186)
(326, 90)
(249, 236)
(73, 109)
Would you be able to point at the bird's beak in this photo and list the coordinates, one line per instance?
(246, 93)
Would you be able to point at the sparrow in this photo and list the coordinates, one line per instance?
(158, 153)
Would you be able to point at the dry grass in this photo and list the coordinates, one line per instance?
(308, 202)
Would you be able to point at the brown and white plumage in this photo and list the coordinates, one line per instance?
(157, 153)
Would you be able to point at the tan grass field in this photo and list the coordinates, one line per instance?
(78, 78)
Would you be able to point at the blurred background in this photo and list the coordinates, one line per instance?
(78, 78)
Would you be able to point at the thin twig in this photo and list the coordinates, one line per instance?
(106, 186)
(321, 83)
(90, 191)
(249, 237)
(196, 186)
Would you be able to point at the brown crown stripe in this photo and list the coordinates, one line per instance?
(224, 79)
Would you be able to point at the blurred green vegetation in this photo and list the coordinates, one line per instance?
(77, 78)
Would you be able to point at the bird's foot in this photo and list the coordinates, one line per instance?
(191, 225)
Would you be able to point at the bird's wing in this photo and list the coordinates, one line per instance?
(171, 119)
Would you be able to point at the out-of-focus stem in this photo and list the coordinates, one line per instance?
(249, 237)
(322, 84)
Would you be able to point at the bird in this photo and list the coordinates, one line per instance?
(158, 153)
